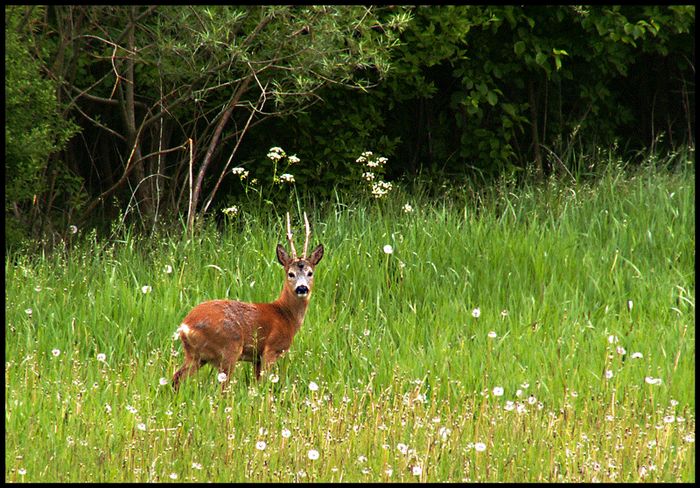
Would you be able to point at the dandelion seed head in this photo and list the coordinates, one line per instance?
(498, 391)
(28, 311)
(221, 377)
(273, 378)
(637, 355)
(313, 454)
(388, 249)
(141, 426)
(260, 445)
(492, 334)
(313, 386)
(173, 476)
(417, 470)
(608, 374)
(286, 433)
(168, 269)
(163, 381)
(476, 313)
(407, 208)
(146, 289)
(56, 352)
(479, 446)
(101, 356)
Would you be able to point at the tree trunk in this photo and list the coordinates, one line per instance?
(210, 150)
(141, 185)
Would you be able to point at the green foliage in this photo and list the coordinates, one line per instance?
(34, 130)
(465, 79)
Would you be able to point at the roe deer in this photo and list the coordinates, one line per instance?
(222, 332)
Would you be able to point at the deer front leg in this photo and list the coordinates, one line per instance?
(263, 363)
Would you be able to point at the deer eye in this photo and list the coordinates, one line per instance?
(290, 274)
(310, 273)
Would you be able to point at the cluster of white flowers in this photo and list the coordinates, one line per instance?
(242, 172)
(287, 178)
(230, 211)
(276, 153)
(375, 165)
(381, 188)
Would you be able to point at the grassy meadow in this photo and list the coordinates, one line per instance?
(514, 333)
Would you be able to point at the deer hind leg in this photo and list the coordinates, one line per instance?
(190, 367)
(228, 361)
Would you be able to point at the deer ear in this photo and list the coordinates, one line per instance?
(316, 255)
(282, 256)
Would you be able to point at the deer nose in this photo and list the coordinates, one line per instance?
(302, 290)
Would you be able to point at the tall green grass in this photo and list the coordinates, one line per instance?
(546, 292)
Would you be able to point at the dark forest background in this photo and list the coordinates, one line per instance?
(141, 112)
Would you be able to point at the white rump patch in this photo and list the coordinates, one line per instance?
(183, 328)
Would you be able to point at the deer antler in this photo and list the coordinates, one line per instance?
(289, 238)
(308, 233)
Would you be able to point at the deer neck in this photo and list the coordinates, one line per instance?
(292, 307)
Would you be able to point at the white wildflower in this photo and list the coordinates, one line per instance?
(230, 211)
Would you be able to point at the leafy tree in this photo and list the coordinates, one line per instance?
(170, 92)
(34, 131)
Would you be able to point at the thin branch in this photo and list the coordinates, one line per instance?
(235, 149)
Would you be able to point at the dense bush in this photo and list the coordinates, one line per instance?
(490, 89)
(34, 130)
